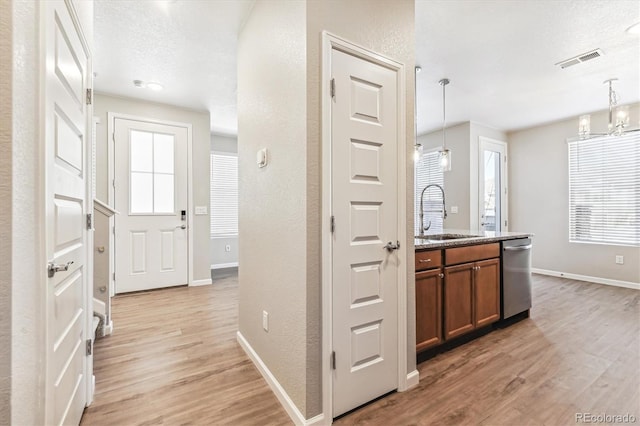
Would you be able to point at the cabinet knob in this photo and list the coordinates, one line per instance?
(101, 249)
(441, 275)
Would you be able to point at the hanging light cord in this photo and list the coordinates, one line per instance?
(443, 83)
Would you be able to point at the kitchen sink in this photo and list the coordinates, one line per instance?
(445, 237)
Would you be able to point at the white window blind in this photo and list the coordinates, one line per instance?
(428, 171)
(604, 190)
(224, 194)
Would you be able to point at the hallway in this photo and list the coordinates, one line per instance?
(173, 359)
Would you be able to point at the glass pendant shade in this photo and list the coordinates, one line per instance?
(417, 152)
(584, 126)
(445, 159)
(622, 117)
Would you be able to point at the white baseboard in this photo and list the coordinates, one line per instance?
(107, 329)
(597, 280)
(276, 387)
(413, 379)
(196, 283)
(224, 265)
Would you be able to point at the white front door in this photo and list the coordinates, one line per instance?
(492, 185)
(364, 162)
(151, 199)
(67, 78)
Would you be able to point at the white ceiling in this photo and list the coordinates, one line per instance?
(499, 56)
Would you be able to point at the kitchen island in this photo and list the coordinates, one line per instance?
(459, 286)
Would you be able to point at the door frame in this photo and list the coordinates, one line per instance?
(330, 42)
(504, 177)
(111, 128)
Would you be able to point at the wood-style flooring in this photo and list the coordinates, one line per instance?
(173, 359)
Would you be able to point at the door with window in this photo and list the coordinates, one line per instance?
(151, 199)
(492, 185)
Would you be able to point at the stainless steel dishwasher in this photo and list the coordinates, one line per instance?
(516, 277)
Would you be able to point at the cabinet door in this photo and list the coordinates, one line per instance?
(428, 309)
(487, 289)
(458, 300)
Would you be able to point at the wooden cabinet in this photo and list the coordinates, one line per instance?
(472, 289)
(487, 292)
(428, 309)
(458, 300)
(457, 291)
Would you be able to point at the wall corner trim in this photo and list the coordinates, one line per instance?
(276, 387)
(196, 283)
(413, 378)
(593, 280)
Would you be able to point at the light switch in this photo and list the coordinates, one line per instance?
(201, 210)
(454, 209)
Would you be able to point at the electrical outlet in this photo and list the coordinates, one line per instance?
(227, 247)
(619, 259)
(454, 209)
(265, 321)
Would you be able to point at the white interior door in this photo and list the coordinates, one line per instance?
(364, 162)
(151, 198)
(67, 77)
(492, 185)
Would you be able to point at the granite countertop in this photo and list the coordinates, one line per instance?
(467, 238)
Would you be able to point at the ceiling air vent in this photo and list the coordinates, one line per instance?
(580, 58)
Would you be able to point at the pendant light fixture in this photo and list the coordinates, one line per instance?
(618, 118)
(417, 148)
(444, 153)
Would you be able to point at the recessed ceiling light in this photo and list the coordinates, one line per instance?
(634, 29)
(139, 83)
(154, 86)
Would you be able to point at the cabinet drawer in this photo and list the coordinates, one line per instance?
(454, 256)
(428, 259)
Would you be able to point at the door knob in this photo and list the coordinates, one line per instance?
(52, 268)
(391, 247)
(181, 226)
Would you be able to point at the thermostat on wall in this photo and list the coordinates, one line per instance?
(261, 157)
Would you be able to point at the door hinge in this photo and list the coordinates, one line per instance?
(89, 96)
(333, 360)
(89, 347)
(332, 88)
(114, 230)
(113, 183)
(113, 137)
(505, 223)
(113, 275)
(89, 222)
(505, 158)
(333, 224)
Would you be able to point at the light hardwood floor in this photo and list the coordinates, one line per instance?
(173, 359)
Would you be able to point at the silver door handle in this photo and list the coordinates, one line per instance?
(391, 247)
(181, 226)
(52, 268)
(518, 248)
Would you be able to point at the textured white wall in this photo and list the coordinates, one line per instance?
(104, 103)
(272, 257)
(5, 213)
(539, 202)
(27, 383)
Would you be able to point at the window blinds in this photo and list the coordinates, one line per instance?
(604, 190)
(224, 194)
(428, 171)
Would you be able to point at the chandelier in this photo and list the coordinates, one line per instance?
(618, 118)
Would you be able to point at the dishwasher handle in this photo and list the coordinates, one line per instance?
(518, 248)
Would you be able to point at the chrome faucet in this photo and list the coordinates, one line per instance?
(444, 209)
